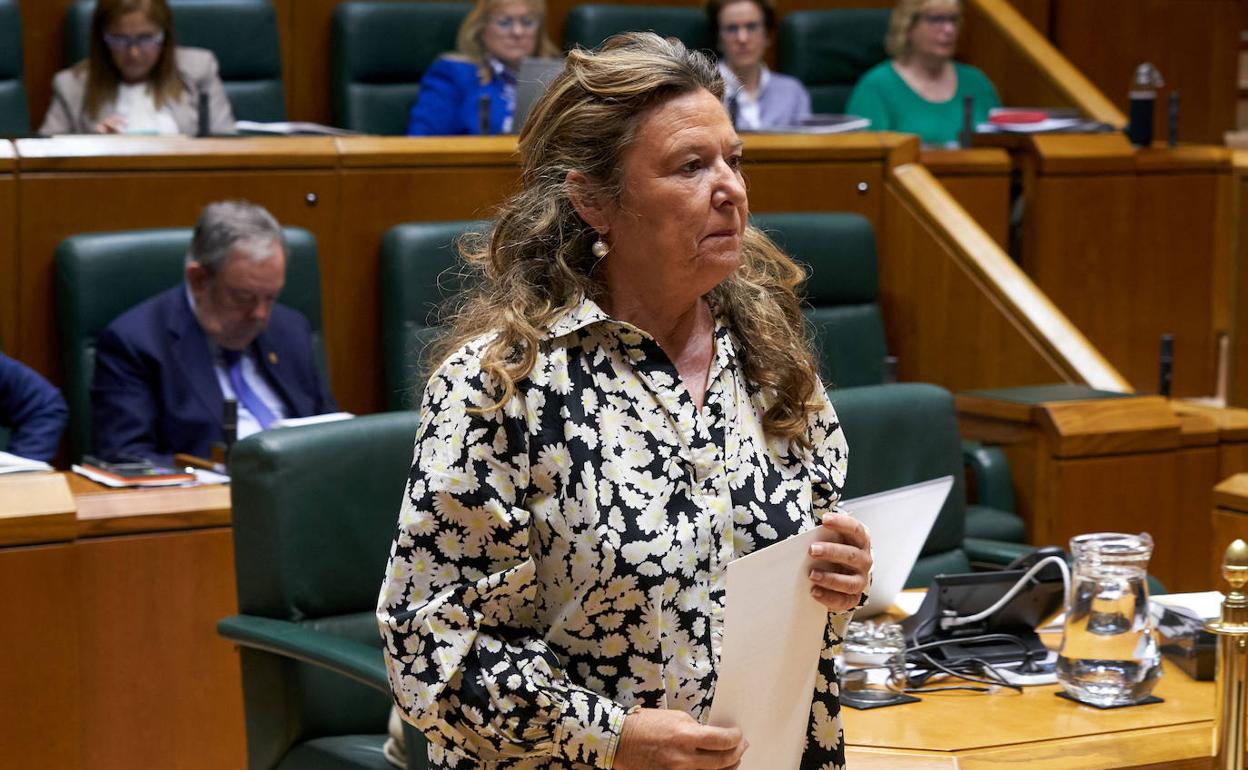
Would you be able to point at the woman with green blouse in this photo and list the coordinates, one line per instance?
(920, 89)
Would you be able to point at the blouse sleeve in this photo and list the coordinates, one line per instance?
(438, 103)
(59, 118)
(459, 606)
(220, 111)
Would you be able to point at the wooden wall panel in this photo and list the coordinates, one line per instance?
(1191, 497)
(43, 51)
(9, 263)
(39, 711)
(55, 206)
(939, 323)
(373, 202)
(1194, 43)
(161, 688)
(1237, 390)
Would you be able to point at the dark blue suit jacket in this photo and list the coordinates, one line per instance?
(32, 408)
(155, 391)
(449, 102)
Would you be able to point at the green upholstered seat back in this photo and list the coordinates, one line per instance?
(418, 274)
(829, 50)
(902, 434)
(315, 510)
(99, 276)
(14, 113)
(842, 292)
(588, 25)
(242, 34)
(380, 51)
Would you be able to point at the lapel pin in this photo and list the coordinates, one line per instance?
(273, 358)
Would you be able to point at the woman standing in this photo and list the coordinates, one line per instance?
(495, 37)
(625, 404)
(135, 80)
(921, 89)
(757, 98)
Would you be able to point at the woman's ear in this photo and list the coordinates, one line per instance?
(587, 199)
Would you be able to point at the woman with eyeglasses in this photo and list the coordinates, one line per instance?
(473, 90)
(921, 89)
(135, 80)
(757, 98)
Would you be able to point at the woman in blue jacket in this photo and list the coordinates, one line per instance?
(494, 38)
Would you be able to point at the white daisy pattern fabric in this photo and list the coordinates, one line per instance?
(564, 558)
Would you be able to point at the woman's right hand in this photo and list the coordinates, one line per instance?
(663, 739)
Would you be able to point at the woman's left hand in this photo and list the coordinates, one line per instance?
(844, 565)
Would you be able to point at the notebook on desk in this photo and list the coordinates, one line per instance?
(899, 521)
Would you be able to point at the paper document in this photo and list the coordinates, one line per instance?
(11, 463)
(773, 633)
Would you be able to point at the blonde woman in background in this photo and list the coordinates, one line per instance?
(920, 89)
(495, 37)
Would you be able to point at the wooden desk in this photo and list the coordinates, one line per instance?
(113, 621)
(979, 179)
(986, 326)
(1036, 729)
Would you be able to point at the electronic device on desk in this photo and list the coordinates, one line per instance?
(1184, 640)
(140, 473)
(990, 616)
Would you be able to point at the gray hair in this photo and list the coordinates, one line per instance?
(227, 225)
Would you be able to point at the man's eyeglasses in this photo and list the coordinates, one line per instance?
(940, 19)
(508, 23)
(750, 28)
(146, 42)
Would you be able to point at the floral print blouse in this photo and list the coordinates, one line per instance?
(564, 558)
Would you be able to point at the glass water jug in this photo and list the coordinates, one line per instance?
(1109, 654)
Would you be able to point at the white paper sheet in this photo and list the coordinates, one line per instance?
(773, 633)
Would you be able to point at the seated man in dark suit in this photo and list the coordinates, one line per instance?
(33, 409)
(164, 367)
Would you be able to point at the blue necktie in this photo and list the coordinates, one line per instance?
(246, 396)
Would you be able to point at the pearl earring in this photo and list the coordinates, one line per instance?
(600, 248)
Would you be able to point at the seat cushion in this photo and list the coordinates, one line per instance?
(994, 524)
(588, 25)
(828, 50)
(953, 562)
(14, 116)
(340, 752)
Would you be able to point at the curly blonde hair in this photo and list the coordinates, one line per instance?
(535, 262)
(902, 20)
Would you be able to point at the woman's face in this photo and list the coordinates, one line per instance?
(135, 43)
(510, 32)
(934, 33)
(742, 34)
(679, 223)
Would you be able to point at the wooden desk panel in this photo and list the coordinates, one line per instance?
(40, 716)
(161, 688)
(979, 180)
(1036, 729)
(1130, 245)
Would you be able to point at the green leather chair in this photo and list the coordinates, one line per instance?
(829, 50)
(101, 275)
(905, 433)
(242, 34)
(589, 25)
(380, 51)
(842, 292)
(315, 510)
(418, 274)
(14, 114)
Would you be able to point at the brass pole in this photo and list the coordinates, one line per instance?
(1229, 747)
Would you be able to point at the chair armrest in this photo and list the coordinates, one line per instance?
(352, 659)
(991, 469)
(995, 553)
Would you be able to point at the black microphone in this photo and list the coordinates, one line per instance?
(483, 114)
(1174, 118)
(968, 124)
(229, 422)
(1165, 365)
(205, 123)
